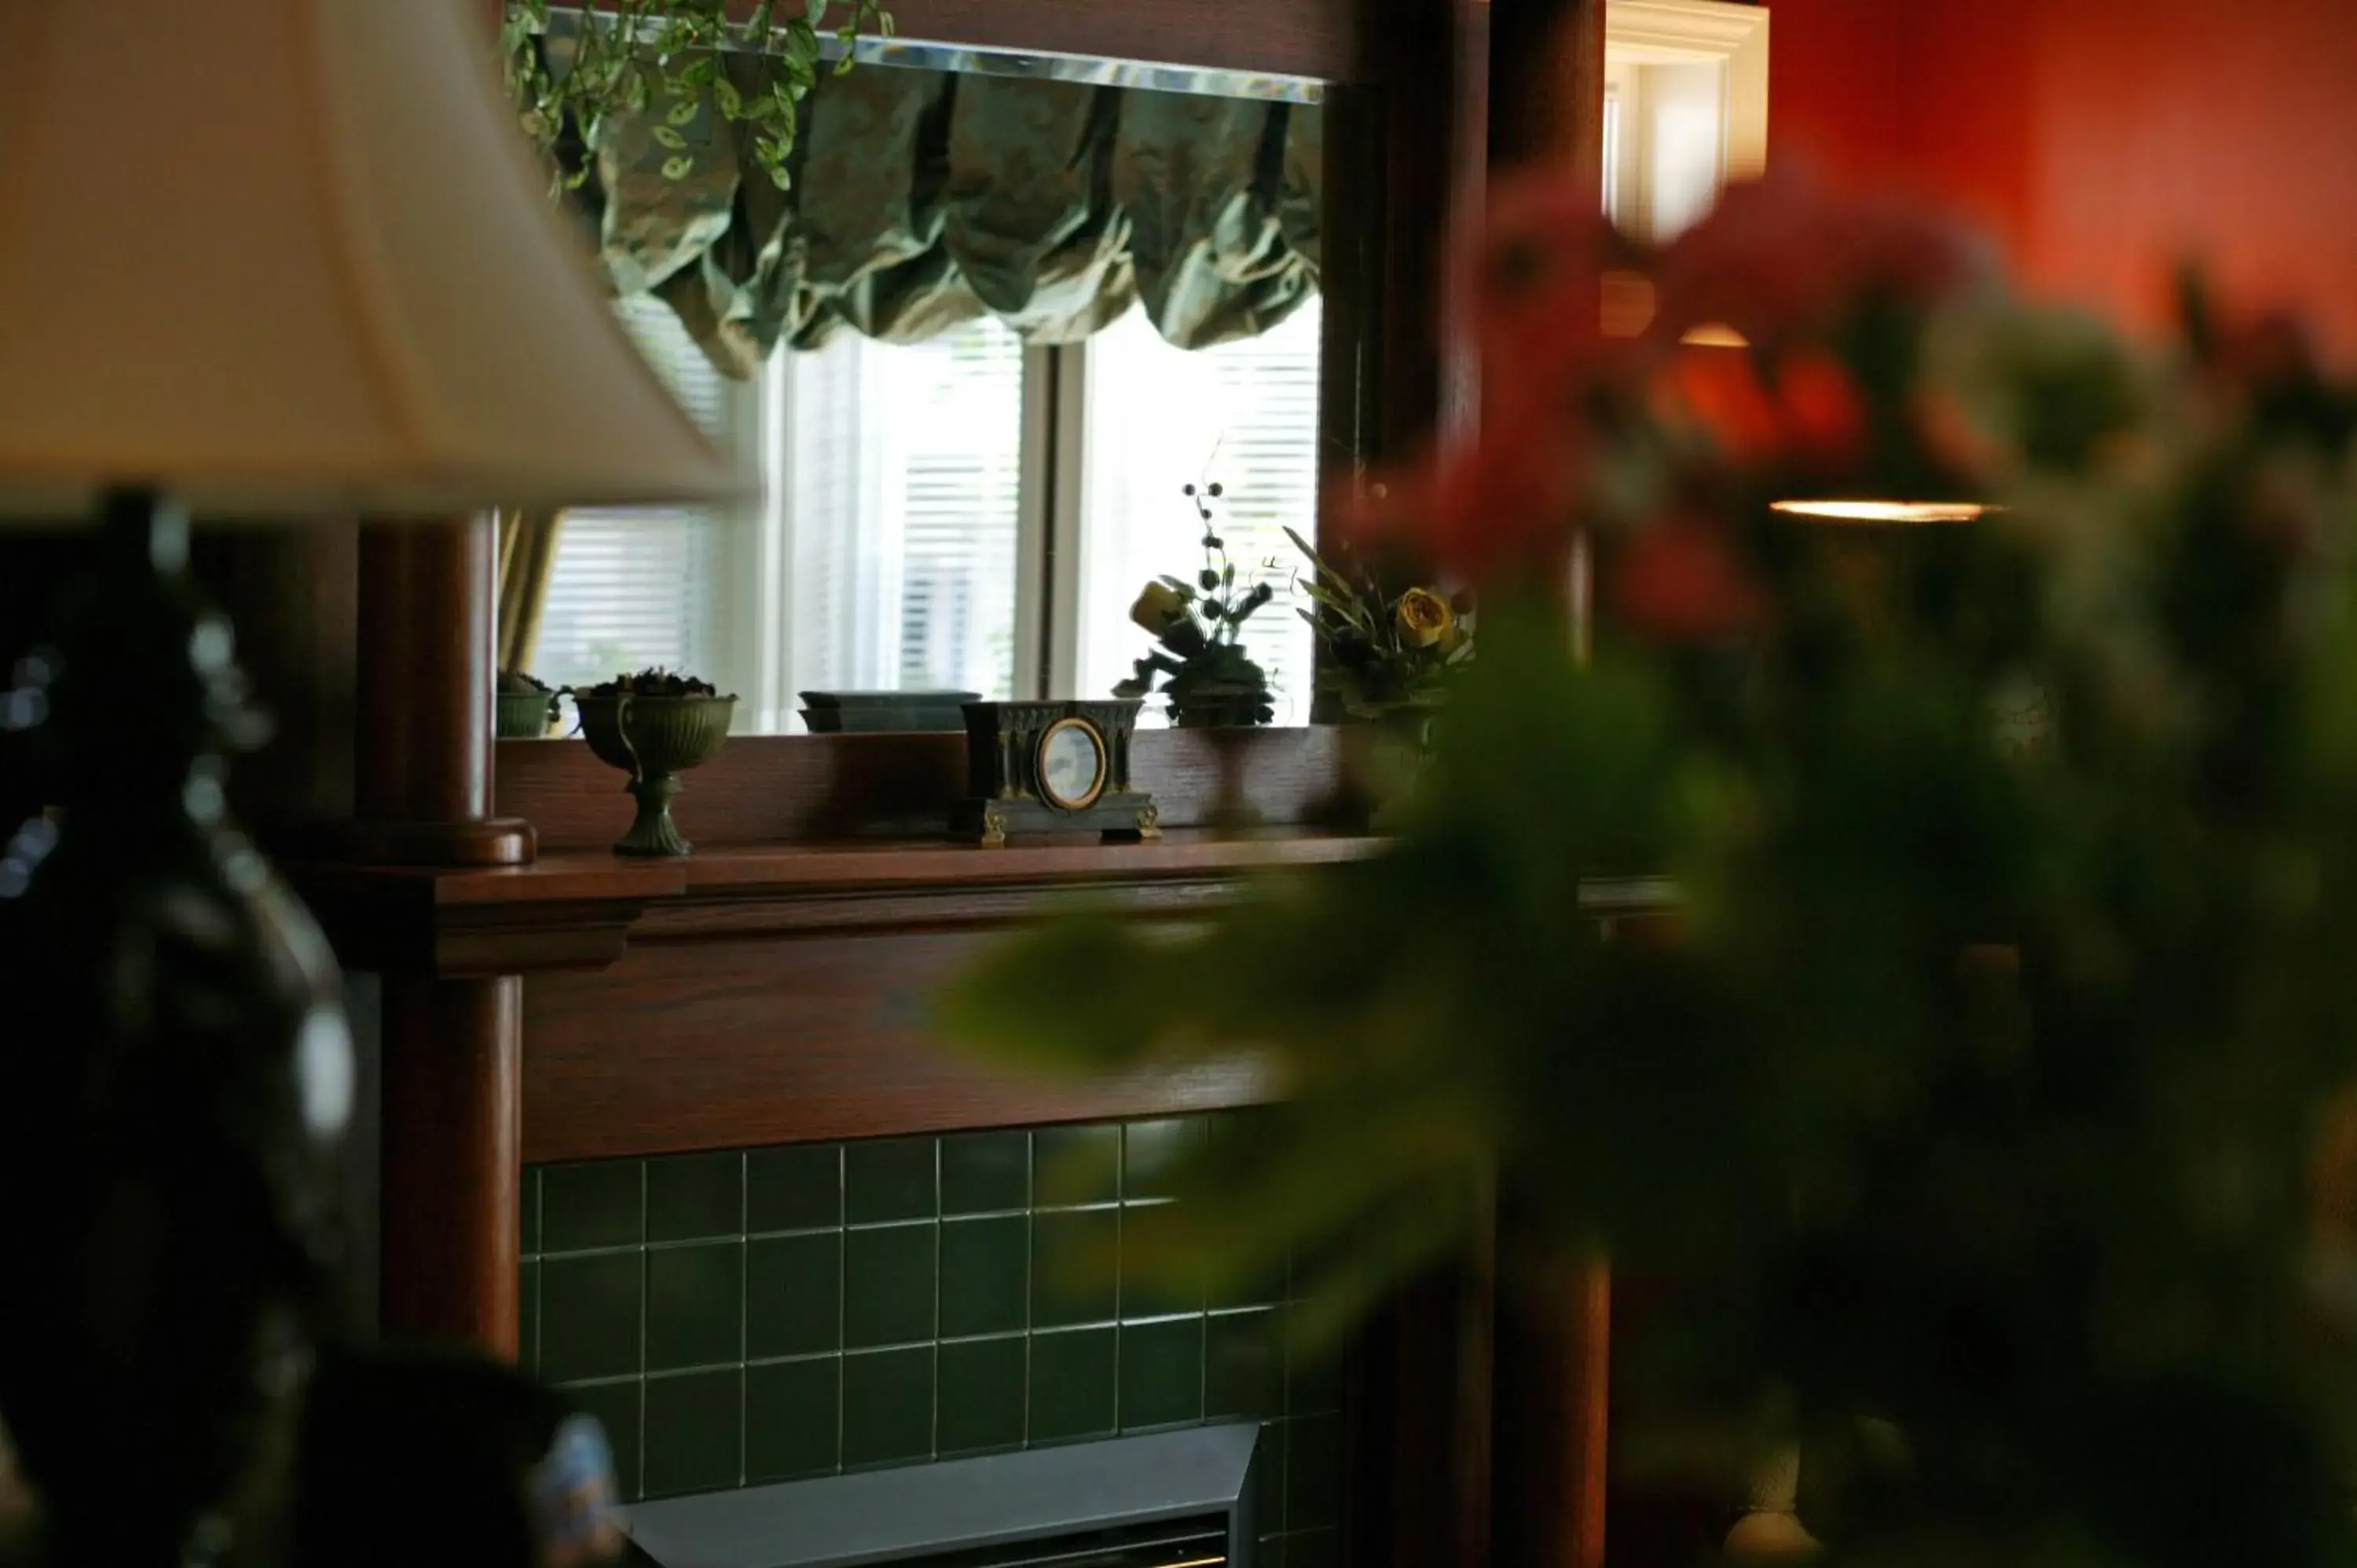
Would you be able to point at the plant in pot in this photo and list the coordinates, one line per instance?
(525, 708)
(1386, 657)
(655, 726)
(1209, 681)
(1387, 654)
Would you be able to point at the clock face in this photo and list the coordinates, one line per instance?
(1071, 765)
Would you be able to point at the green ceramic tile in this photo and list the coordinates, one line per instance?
(1244, 1364)
(592, 1205)
(1078, 1165)
(889, 1180)
(1073, 1261)
(589, 1316)
(888, 1406)
(792, 1418)
(528, 1318)
(1072, 1384)
(793, 1295)
(1153, 1289)
(528, 1223)
(986, 1275)
(1314, 1549)
(695, 1296)
(1161, 1373)
(887, 1285)
(690, 1196)
(1252, 1288)
(793, 1189)
(1313, 1374)
(694, 1431)
(1268, 1480)
(984, 1172)
(981, 1405)
(1322, 1269)
(1313, 1472)
(1149, 1152)
(615, 1407)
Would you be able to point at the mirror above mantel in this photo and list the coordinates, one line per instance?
(1010, 308)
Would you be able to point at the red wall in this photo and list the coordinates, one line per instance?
(2101, 141)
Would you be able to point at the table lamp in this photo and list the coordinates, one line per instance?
(262, 260)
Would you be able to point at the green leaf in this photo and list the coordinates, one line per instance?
(678, 168)
(731, 102)
(682, 112)
(665, 136)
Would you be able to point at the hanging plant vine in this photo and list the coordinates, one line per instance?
(633, 54)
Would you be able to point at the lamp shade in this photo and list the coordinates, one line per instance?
(286, 257)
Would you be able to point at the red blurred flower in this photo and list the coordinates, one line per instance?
(1824, 413)
(1812, 413)
(1682, 582)
(1781, 257)
(1721, 390)
(1484, 510)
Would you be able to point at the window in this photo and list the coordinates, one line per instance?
(895, 492)
(1244, 415)
(635, 587)
(914, 498)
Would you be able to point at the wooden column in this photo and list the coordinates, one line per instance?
(453, 1047)
(1553, 1330)
(453, 1148)
(1546, 86)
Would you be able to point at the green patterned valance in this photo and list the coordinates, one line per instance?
(925, 198)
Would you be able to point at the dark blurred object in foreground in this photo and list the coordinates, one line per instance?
(174, 1089)
(449, 1460)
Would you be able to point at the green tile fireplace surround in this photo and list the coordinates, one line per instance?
(774, 1314)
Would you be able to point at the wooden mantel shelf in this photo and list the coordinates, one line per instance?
(579, 909)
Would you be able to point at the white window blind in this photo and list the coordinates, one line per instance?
(899, 501)
(648, 586)
(1244, 415)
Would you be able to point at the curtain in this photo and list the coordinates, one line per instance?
(527, 557)
(922, 199)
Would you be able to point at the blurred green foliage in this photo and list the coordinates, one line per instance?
(1978, 1096)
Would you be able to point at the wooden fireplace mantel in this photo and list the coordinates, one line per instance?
(774, 986)
(581, 909)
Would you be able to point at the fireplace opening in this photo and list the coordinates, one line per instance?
(1171, 1499)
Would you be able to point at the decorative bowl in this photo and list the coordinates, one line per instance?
(654, 739)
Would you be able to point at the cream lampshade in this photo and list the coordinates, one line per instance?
(287, 256)
(258, 258)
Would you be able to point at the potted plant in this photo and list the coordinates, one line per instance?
(627, 57)
(1209, 681)
(525, 708)
(1386, 655)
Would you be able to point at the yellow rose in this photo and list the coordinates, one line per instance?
(1424, 618)
(1159, 608)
